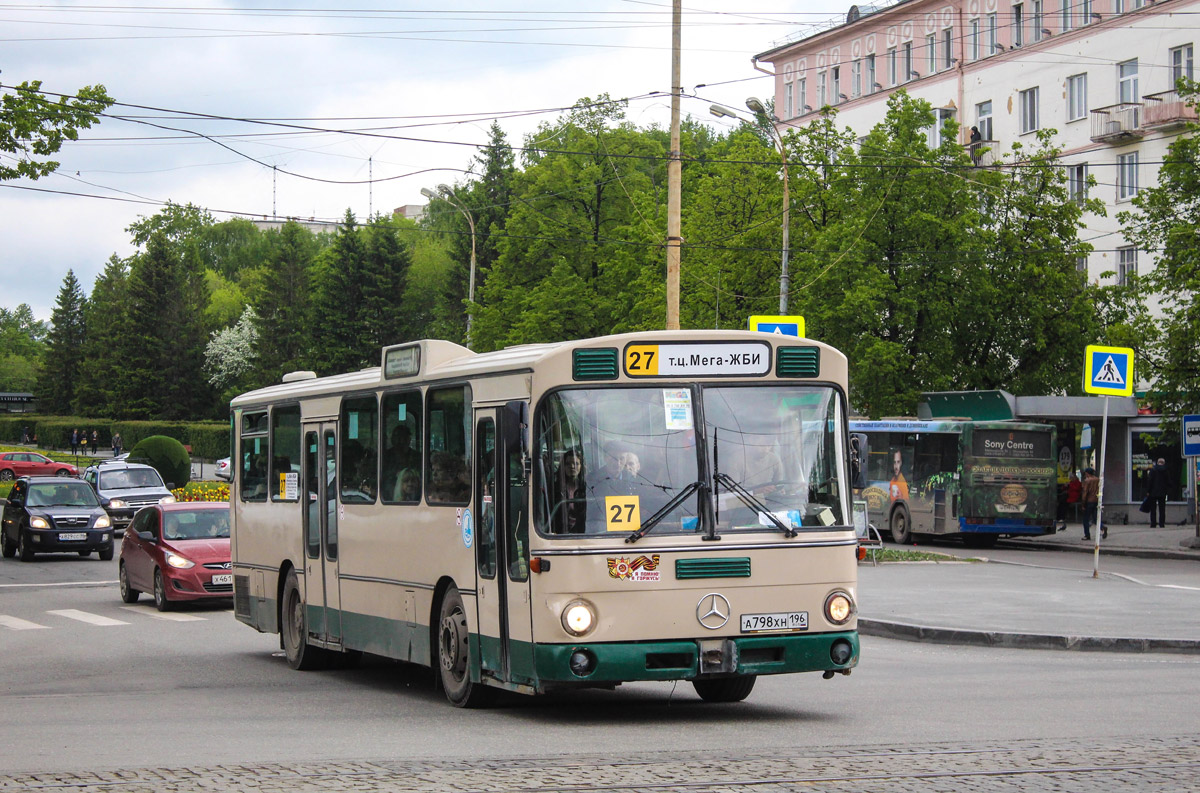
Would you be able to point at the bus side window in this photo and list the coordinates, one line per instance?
(400, 443)
(358, 465)
(448, 464)
(255, 454)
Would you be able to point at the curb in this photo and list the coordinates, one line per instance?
(1141, 553)
(1029, 641)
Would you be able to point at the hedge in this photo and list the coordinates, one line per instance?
(209, 439)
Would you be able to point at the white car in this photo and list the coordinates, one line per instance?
(224, 471)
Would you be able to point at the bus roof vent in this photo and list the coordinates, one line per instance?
(798, 362)
(292, 377)
(595, 364)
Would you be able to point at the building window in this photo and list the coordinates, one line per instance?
(836, 96)
(983, 120)
(934, 137)
(1018, 27)
(802, 97)
(892, 66)
(1118, 6)
(930, 54)
(1126, 264)
(872, 78)
(1035, 20)
(1029, 110)
(821, 90)
(1145, 447)
(947, 49)
(1081, 264)
(993, 38)
(856, 78)
(1127, 81)
(1181, 63)
(1077, 182)
(973, 39)
(1085, 12)
(1066, 15)
(1076, 97)
(787, 97)
(909, 71)
(1127, 176)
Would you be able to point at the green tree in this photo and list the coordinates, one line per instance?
(33, 126)
(281, 303)
(22, 339)
(104, 318)
(337, 307)
(64, 349)
(386, 262)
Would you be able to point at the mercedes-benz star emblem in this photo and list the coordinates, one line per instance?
(712, 611)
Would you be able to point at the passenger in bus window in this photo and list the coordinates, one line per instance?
(898, 488)
(630, 467)
(447, 482)
(570, 501)
(408, 486)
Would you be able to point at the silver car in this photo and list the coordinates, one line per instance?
(224, 471)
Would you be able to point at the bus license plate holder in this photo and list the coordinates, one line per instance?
(777, 621)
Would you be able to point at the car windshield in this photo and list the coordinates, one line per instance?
(776, 454)
(203, 524)
(129, 478)
(66, 494)
(609, 459)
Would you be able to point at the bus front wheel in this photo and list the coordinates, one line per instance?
(724, 689)
(454, 658)
(300, 654)
(901, 530)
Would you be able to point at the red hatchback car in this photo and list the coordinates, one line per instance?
(180, 552)
(17, 464)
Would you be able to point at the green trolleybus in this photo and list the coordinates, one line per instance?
(652, 506)
(979, 480)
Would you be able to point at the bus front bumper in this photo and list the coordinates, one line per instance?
(616, 662)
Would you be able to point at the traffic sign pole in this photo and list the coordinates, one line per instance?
(1097, 529)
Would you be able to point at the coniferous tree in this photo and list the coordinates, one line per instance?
(337, 345)
(385, 272)
(64, 349)
(282, 304)
(96, 393)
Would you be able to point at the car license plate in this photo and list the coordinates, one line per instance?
(781, 621)
(223, 578)
(72, 535)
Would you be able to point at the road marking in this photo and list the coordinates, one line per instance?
(62, 583)
(18, 624)
(164, 615)
(83, 616)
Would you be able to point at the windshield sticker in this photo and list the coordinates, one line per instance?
(622, 513)
(791, 518)
(678, 405)
(643, 568)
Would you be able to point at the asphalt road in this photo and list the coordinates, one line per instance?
(99, 687)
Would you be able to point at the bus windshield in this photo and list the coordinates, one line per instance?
(608, 459)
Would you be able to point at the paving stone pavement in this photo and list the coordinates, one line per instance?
(1158, 764)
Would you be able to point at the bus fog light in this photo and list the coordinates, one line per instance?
(839, 608)
(582, 663)
(578, 617)
(841, 652)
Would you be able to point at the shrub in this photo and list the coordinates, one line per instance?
(165, 455)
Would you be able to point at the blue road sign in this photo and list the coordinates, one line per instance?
(1191, 436)
(1108, 370)
(780, 325)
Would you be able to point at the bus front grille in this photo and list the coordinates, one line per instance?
(734, 567)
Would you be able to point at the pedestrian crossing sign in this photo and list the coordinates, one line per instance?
(780, 326)
(1108, 370)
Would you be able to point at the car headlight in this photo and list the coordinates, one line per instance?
(102, 522)
(118, 503)
(578, 617)
(839, 608)
(175, 560)
(167, 500)
(39, 522)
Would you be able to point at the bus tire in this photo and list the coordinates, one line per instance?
(300, 654)
(980, 540)
(900, 526)
(724, 689)
(454, 655)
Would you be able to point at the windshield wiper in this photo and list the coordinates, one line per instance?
(652, 521)
(749, 500)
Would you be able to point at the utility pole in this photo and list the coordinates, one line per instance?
(674, 176)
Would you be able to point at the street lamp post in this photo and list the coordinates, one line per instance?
(448, 194)
(759, 109)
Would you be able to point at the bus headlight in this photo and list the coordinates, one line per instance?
(839, 608)
(578, 617)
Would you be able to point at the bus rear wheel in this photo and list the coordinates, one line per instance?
(300, 654)
(724, 689)
(900, 528)
(454, 658)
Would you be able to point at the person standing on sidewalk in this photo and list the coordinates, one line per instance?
(1159, 485)
(1091, 502)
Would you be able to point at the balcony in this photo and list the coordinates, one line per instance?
(1166, 110)
(984, 153)
(1117, 123)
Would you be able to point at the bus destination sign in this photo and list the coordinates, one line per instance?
(732, 359)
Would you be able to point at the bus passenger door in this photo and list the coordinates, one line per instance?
(514, 525)
(323, 616)
(492, 600)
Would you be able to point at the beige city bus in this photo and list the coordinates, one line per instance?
(650, 506)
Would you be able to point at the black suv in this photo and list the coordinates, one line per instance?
(53, 514)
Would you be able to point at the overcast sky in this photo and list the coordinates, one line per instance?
(396, 69)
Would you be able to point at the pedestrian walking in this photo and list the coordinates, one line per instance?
(116, 444)
(83, 439)
(1159, 486)
(24, 434)
(74, 441)
(1091, 503)
(1074, 494)
(95, 441)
